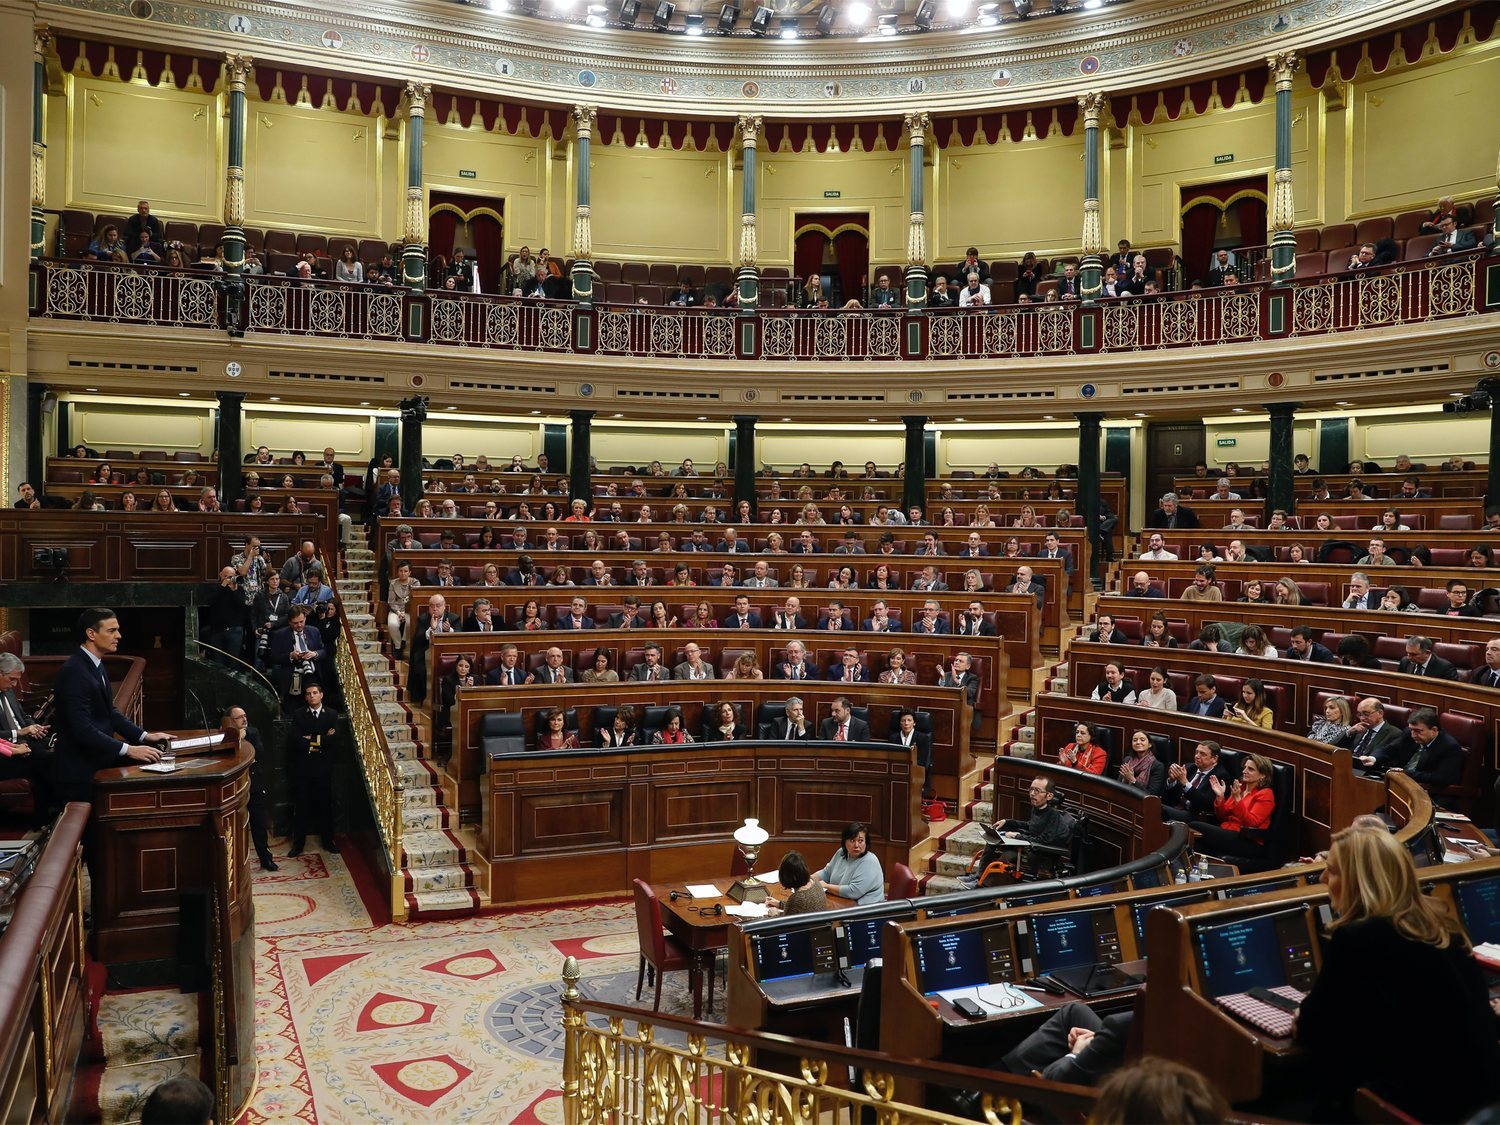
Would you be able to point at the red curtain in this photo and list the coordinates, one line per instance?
(1252, 221)
(1199, 226)
(851, 249)
(440, 228)
(808, 256)
(489, 252)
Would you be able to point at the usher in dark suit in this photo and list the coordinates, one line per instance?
(92, 734)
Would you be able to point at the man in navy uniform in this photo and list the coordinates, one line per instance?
(312, 750)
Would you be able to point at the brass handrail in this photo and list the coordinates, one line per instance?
(244, 664)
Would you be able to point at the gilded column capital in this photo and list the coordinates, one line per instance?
(1092, 105)
(417, 95)
(1284, 66)
(41, 41)
(584, 117)
(749, 126)
(916, 125)
(237, 69)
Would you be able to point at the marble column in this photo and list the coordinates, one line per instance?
(917, 125)
(1088, 486)
(228, 439)
(1283, 215)
(237, 72)
(744, 458)
(414, 216)
(1279, 488)
(580, 452)
(914, 484)
(413, 414)
(747, 279)
(41, 40)
(584, 117)
(1092, 270)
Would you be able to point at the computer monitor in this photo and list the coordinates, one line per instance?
(1032, 900)
(862, 935)
(1245, 890)
(1150, 878)
(1427, 847)
(1259, 951)
(1094, 890)
(1479, 904)
(1141, 909)
(794, 953)
(1072, 937)
(964, 958)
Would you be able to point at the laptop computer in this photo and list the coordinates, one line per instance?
(1096, 980)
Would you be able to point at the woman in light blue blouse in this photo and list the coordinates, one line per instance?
(854, 872)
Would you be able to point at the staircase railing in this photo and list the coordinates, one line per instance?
(618, 1075)
(377, 763)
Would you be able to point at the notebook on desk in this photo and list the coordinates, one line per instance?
(1091, 981)
(992, 835)
(1262, 1016)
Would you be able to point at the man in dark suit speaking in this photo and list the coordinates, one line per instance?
(92, 734)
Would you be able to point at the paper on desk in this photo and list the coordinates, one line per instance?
(747, 909)
(769, 878)
(160, 767)
(704, 890)
(198, 743)
(995, 999)
(1451, 816)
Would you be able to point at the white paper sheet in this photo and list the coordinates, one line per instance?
(704, 890)
(747, 910)
(770, 879)
(995, 999)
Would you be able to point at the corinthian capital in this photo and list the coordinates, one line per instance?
(584, 117)
(41, 40)
(1284, 66)
(749, 126)
(237, 69)
(916, 125)
(417, 95)
(1092, 107)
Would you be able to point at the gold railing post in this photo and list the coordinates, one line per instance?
(572, 1020)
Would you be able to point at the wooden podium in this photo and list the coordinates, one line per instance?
(155, 837)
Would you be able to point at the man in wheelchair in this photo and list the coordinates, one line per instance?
(1048, 847)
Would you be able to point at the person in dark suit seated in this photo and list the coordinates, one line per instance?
(297, 654)
(1488, 673)
(794, 727)
(743, 616)
(721, 723)
(629, 616)
(1141, 768)
(92, 734)
(1206, 701)
(928, 621)
(842, 726)
(972, 623)
(1105, 632)
(1370, 735)
(29, 759)
(524, 573)
(553, 671)
(1395, 957)
(482, 619)
(1244, 811)
(1303, 647)
(578, 616)
(794, 664)
(1428, 753)
(1189, 794)
(1142, 587)
(1454, 240)
(1026, 583)
(1075, 1045)
(920, 744)
(1171, 514)
(732, 543)
(849, 670)
(1419, 661)
(789, 617)
(508, 673)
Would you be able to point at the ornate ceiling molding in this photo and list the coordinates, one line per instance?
(1137, 45)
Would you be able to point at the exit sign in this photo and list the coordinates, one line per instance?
(1227, 442)
(467, 174)
(1224, 158)
(832, 194)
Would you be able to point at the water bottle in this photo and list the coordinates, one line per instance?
(1180, 877)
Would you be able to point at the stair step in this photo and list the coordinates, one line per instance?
(432, 904)
(431, 849)
(403, 750)
(415, 772)
(420, 797)
(424, 880)
(425, 820)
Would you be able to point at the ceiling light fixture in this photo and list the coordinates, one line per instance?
(988, 15)
(597, 15)
(693, 23)
(789, 28)
(957, 9)
(760, 22)
(663, 15)
(923, 18)
(857, 13)
(827, 14)
(630, 11)
(888, 24)
(729, 16)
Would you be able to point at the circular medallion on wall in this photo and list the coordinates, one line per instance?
(832, 89)
(233, 369)
(587, 79)
(669, 85)
(1088, 65)
(916, 85)
(240, 24)
(419, 380)
(751, 89)
(503, 68)
(1276, 380)
(914, 396)
(1088, 390)
(141, 9)
(1182, 48)
(332, 39)
(420, 52)
(585, 390)
(1000, 79)
(751, 394)
(1492, 360)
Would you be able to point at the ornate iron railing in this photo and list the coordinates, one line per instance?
(1404, 294)
(615, 1071)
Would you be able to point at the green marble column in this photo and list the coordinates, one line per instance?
(914, 484)
(1088, 486)
(414, 222)
(236, 72)
(747, 279)
(1091, 272)
(1279, 489)
(744, 458)
(584, 117)
(229, 442)
(413, 414)
(580, 452)
(1283, 214)
(39, 44)
(917, 125)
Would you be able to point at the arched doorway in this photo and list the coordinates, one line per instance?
(476, 224)
(1222, 216)
(837, 248)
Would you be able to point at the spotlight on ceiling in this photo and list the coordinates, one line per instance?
(760, 22)
(857, 13)
(789, 28)
(663, 15)
(729, 15)
(923, 18)
(597, 15)
(1023, 8)
(693, 23)
(1092, 5)
(630, 11)
(888, 24)
(826, 15)
(987, 15)
(957, 9)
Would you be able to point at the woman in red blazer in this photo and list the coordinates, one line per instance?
(1083, 753)
(1244, 811)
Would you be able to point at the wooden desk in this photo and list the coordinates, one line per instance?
(703, 933)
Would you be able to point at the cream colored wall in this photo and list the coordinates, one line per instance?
(105, 425)
(640, 445)
(351, 435)
(875, 183)
(511, 168)
(1011, 197)
(312, 169)
(497, 440)
(141, 424)
(1041, 447)
(1423, 434)
(1167, 156)
(786, 449)
(1252, 440)
(124, 158)
(659, 204)
(1416, 133)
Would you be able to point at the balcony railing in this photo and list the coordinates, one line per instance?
(1403, 294)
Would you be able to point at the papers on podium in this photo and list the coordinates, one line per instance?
(704, 890)
(202, 742)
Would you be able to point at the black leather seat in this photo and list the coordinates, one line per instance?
(501, 732)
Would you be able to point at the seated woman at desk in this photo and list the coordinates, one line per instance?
(1252, 707)
(461, 676)
(601, 672)
(1395, 958)
(744, 668)
(551, 735)
(1140, 767)
(671, 733)
(1083, 753)
(1335, 723)
(793, 875)
(853, 872)
(621, 732)
(721, 724)
(1244, 811)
